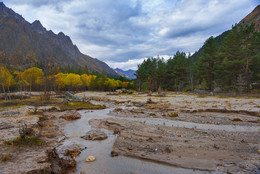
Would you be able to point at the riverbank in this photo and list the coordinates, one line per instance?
(175, 132)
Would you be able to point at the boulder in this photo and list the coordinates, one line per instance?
(71, 115)
(113, 154)
(95, 135)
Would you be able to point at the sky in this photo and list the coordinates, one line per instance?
(123, 33)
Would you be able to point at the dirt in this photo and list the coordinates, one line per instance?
(35, 158)
(179, 130)
(200, 149)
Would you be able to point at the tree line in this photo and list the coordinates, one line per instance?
(37, 79)
(232, 65)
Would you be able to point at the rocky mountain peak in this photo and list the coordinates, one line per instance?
(2, 4)
(36, 25)
(7, 12)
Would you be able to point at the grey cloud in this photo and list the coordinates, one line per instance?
(119, 30)
(37, 3)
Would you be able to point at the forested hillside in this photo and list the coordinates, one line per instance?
(230, 63)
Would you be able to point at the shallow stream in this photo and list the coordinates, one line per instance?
(105, 164)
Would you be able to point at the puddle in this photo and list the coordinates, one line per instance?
(105, 164)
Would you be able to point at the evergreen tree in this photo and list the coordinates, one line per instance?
(207, 63)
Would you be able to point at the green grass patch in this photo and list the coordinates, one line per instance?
(79, 106)
(26, 141)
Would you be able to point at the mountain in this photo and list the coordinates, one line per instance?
(23, 41)
(253, 17)
(129, 73)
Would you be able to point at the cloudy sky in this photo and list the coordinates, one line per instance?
(123, 32)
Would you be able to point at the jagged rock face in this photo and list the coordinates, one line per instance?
(22, 40)
(253, 17)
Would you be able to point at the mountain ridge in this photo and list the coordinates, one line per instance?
(253, 17)
(22, 40)
(129, 73)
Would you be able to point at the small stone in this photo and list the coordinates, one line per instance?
(143, 154)
(174, 114)
(258, 151)
(95, 135)
(90, 159)
(71, 115)
(129, 148)
(113, 154)
(216, 146)
(237, 119)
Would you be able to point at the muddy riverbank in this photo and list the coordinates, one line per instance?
(201, 141)
(144, 134)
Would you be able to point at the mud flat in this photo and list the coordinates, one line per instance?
(37, 152)
(197, 138)
(145, 134)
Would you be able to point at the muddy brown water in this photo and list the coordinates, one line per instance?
(105, 164)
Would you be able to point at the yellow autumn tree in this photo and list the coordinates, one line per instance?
(60, 80)
(124, 84)
(19, 79)
(87, 79)
(112, 84)
(73, 80)
(33, 76)
(6, 79)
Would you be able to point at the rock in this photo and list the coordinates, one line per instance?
(216, 146)
(149, 101)
(237, 119)
(71, 115)
(73, 153)
(95, 135)
(129, 148)
(71, 150)
(113, 154)
(90, 159)
(168, 150)
(71, 97)
(60, 165)
(174, 114)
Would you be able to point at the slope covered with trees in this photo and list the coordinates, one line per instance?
(232, 65)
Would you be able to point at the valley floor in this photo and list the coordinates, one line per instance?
(205, 134)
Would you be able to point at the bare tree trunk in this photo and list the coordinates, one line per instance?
(3, 87)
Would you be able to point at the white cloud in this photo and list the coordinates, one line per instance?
(129, 64)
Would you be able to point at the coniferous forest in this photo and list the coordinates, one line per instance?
(229, 62)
